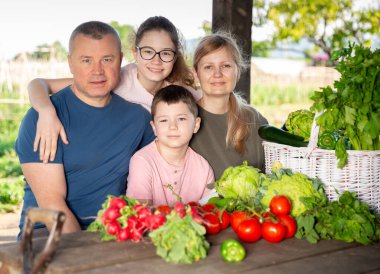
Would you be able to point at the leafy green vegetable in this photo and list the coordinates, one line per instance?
(180, 240)
(11, 195)
(354, 105)
(303, 192)
(299, 123)
(347, 220)
(241, 182)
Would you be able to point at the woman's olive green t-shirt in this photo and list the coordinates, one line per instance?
(210, 142)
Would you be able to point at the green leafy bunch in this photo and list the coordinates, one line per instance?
(180, 239)
(347, 220)
(353, 106)
(299, 123)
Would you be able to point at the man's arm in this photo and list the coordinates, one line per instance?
(48, 184)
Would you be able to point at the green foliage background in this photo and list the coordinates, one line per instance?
(11, 183)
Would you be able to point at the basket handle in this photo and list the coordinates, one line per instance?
(313, 140)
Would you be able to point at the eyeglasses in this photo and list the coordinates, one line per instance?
(166, 55)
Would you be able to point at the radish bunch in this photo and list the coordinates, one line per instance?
(122, 218)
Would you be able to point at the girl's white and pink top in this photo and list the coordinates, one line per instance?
(149, 174)
(131, 89)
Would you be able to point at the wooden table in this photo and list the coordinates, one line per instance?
(83, 252)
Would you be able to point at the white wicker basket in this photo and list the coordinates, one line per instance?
(361, 174)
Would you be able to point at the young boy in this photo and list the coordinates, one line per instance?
(168, 166)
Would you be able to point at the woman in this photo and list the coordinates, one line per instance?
(159, 62)
(228, 134)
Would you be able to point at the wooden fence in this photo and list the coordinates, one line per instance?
(15, 76)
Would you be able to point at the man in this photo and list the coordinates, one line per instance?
(104, 131)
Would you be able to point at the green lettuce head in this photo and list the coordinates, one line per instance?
(240, 182)
(303, 192)
(299, 123)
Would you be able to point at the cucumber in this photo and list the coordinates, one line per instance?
(277, 135)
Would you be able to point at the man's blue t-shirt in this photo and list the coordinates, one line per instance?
(96, 161)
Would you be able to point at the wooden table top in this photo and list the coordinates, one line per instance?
(83, 252)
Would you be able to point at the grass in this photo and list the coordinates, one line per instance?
(11, 195)
(11, 183)
(275, 102)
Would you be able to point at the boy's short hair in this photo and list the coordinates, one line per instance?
(174, 94)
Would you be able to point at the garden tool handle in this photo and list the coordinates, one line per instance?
(54, 220)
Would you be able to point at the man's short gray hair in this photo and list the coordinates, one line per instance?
(94, 29)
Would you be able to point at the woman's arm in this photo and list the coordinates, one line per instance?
(49, 127)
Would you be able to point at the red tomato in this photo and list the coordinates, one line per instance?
(211, 223)
(273, 232)
(249, 230)
(193, 203)
(164, 209)
(224, 219)
(236, 218)
(262, 217)
(280, 204)
(209, 207)
(289, 223)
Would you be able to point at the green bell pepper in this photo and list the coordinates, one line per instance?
(327, 140)
(232, 251)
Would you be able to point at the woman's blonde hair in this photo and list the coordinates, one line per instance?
(239, 112)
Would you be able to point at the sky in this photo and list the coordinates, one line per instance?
(25, 24)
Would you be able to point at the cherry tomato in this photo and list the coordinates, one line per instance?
(236, 218)
(164, 209)
(193, 203)
(289, 223)
(224, 218)
(209, 207)
(273, 232)
(211, 223)
(280, 204)
(249, 230)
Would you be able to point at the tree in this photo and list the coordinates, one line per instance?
(45, 52)
(328, 24)
(236, 17)
(126, 33)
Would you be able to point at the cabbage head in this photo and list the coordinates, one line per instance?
(299, 123)
(240, 182)
(303, 192)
